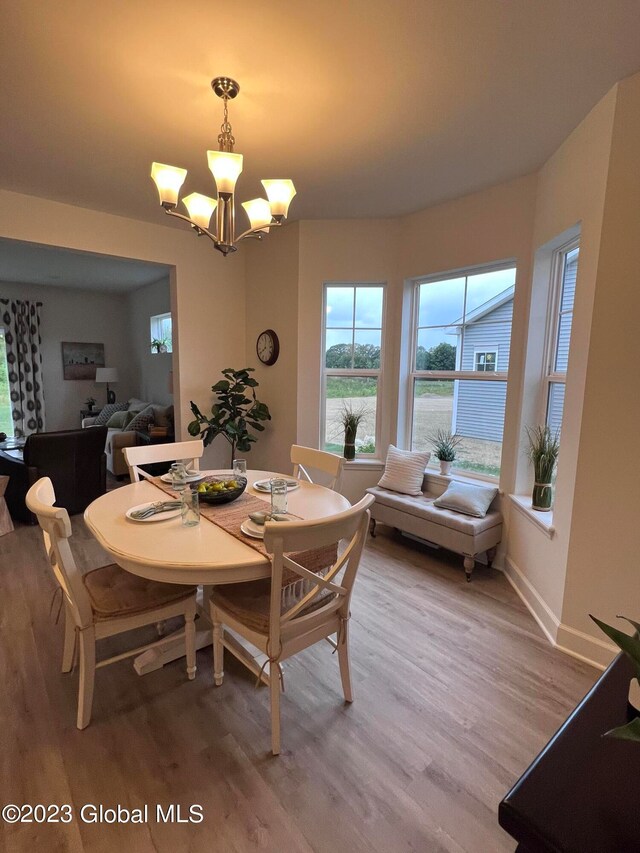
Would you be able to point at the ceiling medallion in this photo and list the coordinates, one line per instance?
(226, 167)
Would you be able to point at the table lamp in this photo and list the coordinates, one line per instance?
(108, 374)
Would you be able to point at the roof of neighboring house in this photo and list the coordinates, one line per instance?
(484, 309)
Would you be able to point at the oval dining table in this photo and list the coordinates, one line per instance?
(204, 554)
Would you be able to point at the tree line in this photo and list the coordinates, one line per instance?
(367, 357)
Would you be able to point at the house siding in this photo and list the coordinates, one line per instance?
(479, 406)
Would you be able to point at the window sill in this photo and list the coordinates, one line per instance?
(363, 464)
(542, 520)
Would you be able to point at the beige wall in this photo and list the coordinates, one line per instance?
(207, 290)
(150, 370)
(570, 192)
(603, 576)
(272, 303)
(70, 314)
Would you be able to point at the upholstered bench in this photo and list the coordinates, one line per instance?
(417, 515)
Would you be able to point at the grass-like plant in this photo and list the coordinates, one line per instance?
(630, 645)
(542, 452)
(444, 444)
(351, 420)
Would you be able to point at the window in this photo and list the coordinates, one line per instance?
(486, 362)
(462, 323)
(565, 270)
(352, 368)
(161, 333)
(6, 419)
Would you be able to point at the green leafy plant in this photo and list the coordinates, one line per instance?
(157, 343)
(236, 411)
(542, 452)
(630, 645)
(444, 444)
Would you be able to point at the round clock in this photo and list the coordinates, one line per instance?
(268, 347)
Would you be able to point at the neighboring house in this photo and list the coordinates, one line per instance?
(487, 338)
(486, 346)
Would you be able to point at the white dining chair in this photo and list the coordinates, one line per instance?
(189, 452)
(307, 459)
(104, 601)
(296, 607)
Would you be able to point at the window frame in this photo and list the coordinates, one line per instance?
(155, 320)
(451, 375)
(485, 353)
(355, 372)
(551, 376)
(5, 367)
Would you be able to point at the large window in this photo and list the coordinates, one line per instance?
(565, 270)
(6, 420)
(460, 359)
(353, 315)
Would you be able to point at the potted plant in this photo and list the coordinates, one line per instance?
(543, 454)
(159, 345)
(444, 445)
(90, 403)
(350, 421)
(233, 414)
(630, 645)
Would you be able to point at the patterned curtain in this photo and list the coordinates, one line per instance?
(21, 320)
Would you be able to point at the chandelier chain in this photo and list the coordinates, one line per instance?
(226, 140)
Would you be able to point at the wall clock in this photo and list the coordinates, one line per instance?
(268, 347)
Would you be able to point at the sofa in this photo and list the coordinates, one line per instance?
(125, 422)
(74, 460)
(417, 515)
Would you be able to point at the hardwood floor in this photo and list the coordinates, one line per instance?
(455, 692)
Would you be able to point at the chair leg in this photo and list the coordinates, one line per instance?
(218, 649)
(190, 642)
(274, 689)
(87, 640)
(343, 660)
(69, 650)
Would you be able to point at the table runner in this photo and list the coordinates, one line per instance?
(230, 516)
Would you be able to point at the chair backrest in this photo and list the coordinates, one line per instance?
(189, 452)
(304, 458)
(56, 530)
(284, 539)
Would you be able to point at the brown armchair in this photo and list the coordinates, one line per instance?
(74, 460)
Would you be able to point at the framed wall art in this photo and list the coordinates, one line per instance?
(80, 360)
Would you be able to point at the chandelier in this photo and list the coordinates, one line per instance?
(226, 167)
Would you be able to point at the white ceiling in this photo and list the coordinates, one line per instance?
(372, 108)
(30, 263)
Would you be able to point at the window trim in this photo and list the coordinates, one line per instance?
(355, 372)
(485, 352)
(157, 319)
(413, 374)
(550, 375)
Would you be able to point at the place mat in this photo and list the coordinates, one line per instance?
(230, 516)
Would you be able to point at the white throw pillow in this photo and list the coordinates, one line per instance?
(467, 498)
(404, 470)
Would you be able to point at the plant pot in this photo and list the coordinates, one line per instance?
(542, 497)
(445, 467)
(349, 451)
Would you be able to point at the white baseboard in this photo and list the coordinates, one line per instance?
(577, 644)
(532, 600)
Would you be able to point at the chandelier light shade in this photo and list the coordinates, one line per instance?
(226, 168)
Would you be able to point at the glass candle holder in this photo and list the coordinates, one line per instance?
(239, 467)
(278, 495)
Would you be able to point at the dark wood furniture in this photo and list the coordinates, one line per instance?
(74, 460)
(581, 794)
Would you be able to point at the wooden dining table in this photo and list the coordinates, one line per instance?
(204, 554)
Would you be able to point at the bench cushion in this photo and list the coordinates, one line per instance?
(421, 506)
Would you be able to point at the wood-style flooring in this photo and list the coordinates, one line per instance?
(455, 688)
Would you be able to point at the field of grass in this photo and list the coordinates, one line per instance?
(6, 421)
